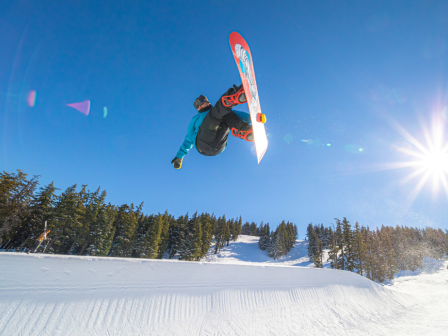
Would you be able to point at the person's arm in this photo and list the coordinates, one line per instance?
(243, 116)
(188, 142)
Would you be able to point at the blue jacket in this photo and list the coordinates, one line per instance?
(193, 128)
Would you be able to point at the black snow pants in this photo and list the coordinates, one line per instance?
(214, 130)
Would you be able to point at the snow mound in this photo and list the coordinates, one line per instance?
(68, 295)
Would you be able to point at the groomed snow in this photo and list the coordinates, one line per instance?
(237, 292)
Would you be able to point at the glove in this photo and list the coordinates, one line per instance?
(177, 163)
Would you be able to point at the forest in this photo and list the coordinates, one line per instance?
(82, 223)
(378, 254)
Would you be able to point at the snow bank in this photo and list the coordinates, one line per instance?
(56, 295)
(241, 292)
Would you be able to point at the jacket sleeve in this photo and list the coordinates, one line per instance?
(243, 116)
(188, 142)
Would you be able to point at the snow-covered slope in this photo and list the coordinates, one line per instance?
(66, 295)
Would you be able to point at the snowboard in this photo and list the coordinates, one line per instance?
(245, 64)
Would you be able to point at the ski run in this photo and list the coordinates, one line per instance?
(240, 291)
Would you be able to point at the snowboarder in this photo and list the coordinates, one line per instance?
(208, 132)
(39, 240)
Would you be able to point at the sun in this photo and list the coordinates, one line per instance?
(428, 159)
(436, 163)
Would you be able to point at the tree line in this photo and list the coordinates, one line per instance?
(377, 254)
(82, 223)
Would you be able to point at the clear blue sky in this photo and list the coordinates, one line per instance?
(333, 72)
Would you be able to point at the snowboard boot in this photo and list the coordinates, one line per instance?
(234, 96)
(245, 133)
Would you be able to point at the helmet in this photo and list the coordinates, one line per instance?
(199, 101)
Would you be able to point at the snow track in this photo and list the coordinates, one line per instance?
(57, 295)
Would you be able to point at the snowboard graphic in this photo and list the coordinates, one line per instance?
(243, 59)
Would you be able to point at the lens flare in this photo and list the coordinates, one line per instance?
(83, 107)
(31, 98)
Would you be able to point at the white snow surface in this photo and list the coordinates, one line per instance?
(240, 291)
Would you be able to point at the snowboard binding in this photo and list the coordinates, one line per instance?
(245, 135)
(238, 98)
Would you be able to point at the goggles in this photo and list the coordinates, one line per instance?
(199, 101)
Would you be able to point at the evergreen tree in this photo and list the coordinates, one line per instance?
(236, 231)
(164, 235)
(104, 231)
(311, 235)
(125, 226)
(340, 241)
(348, 255)
(275, 248)
(190, 248)
(16, 194)
(207, 235)
(319, 252)
(333, 246)
(41, 211)
(177, 235)
(245, 230)
(359, 250)
(391, 265)
(67, 223)
(153, 236)
(264, 240)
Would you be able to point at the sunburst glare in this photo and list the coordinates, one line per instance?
(429, 159)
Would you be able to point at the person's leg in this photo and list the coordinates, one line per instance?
(36, 245)
(233, 121)
(238, 127)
